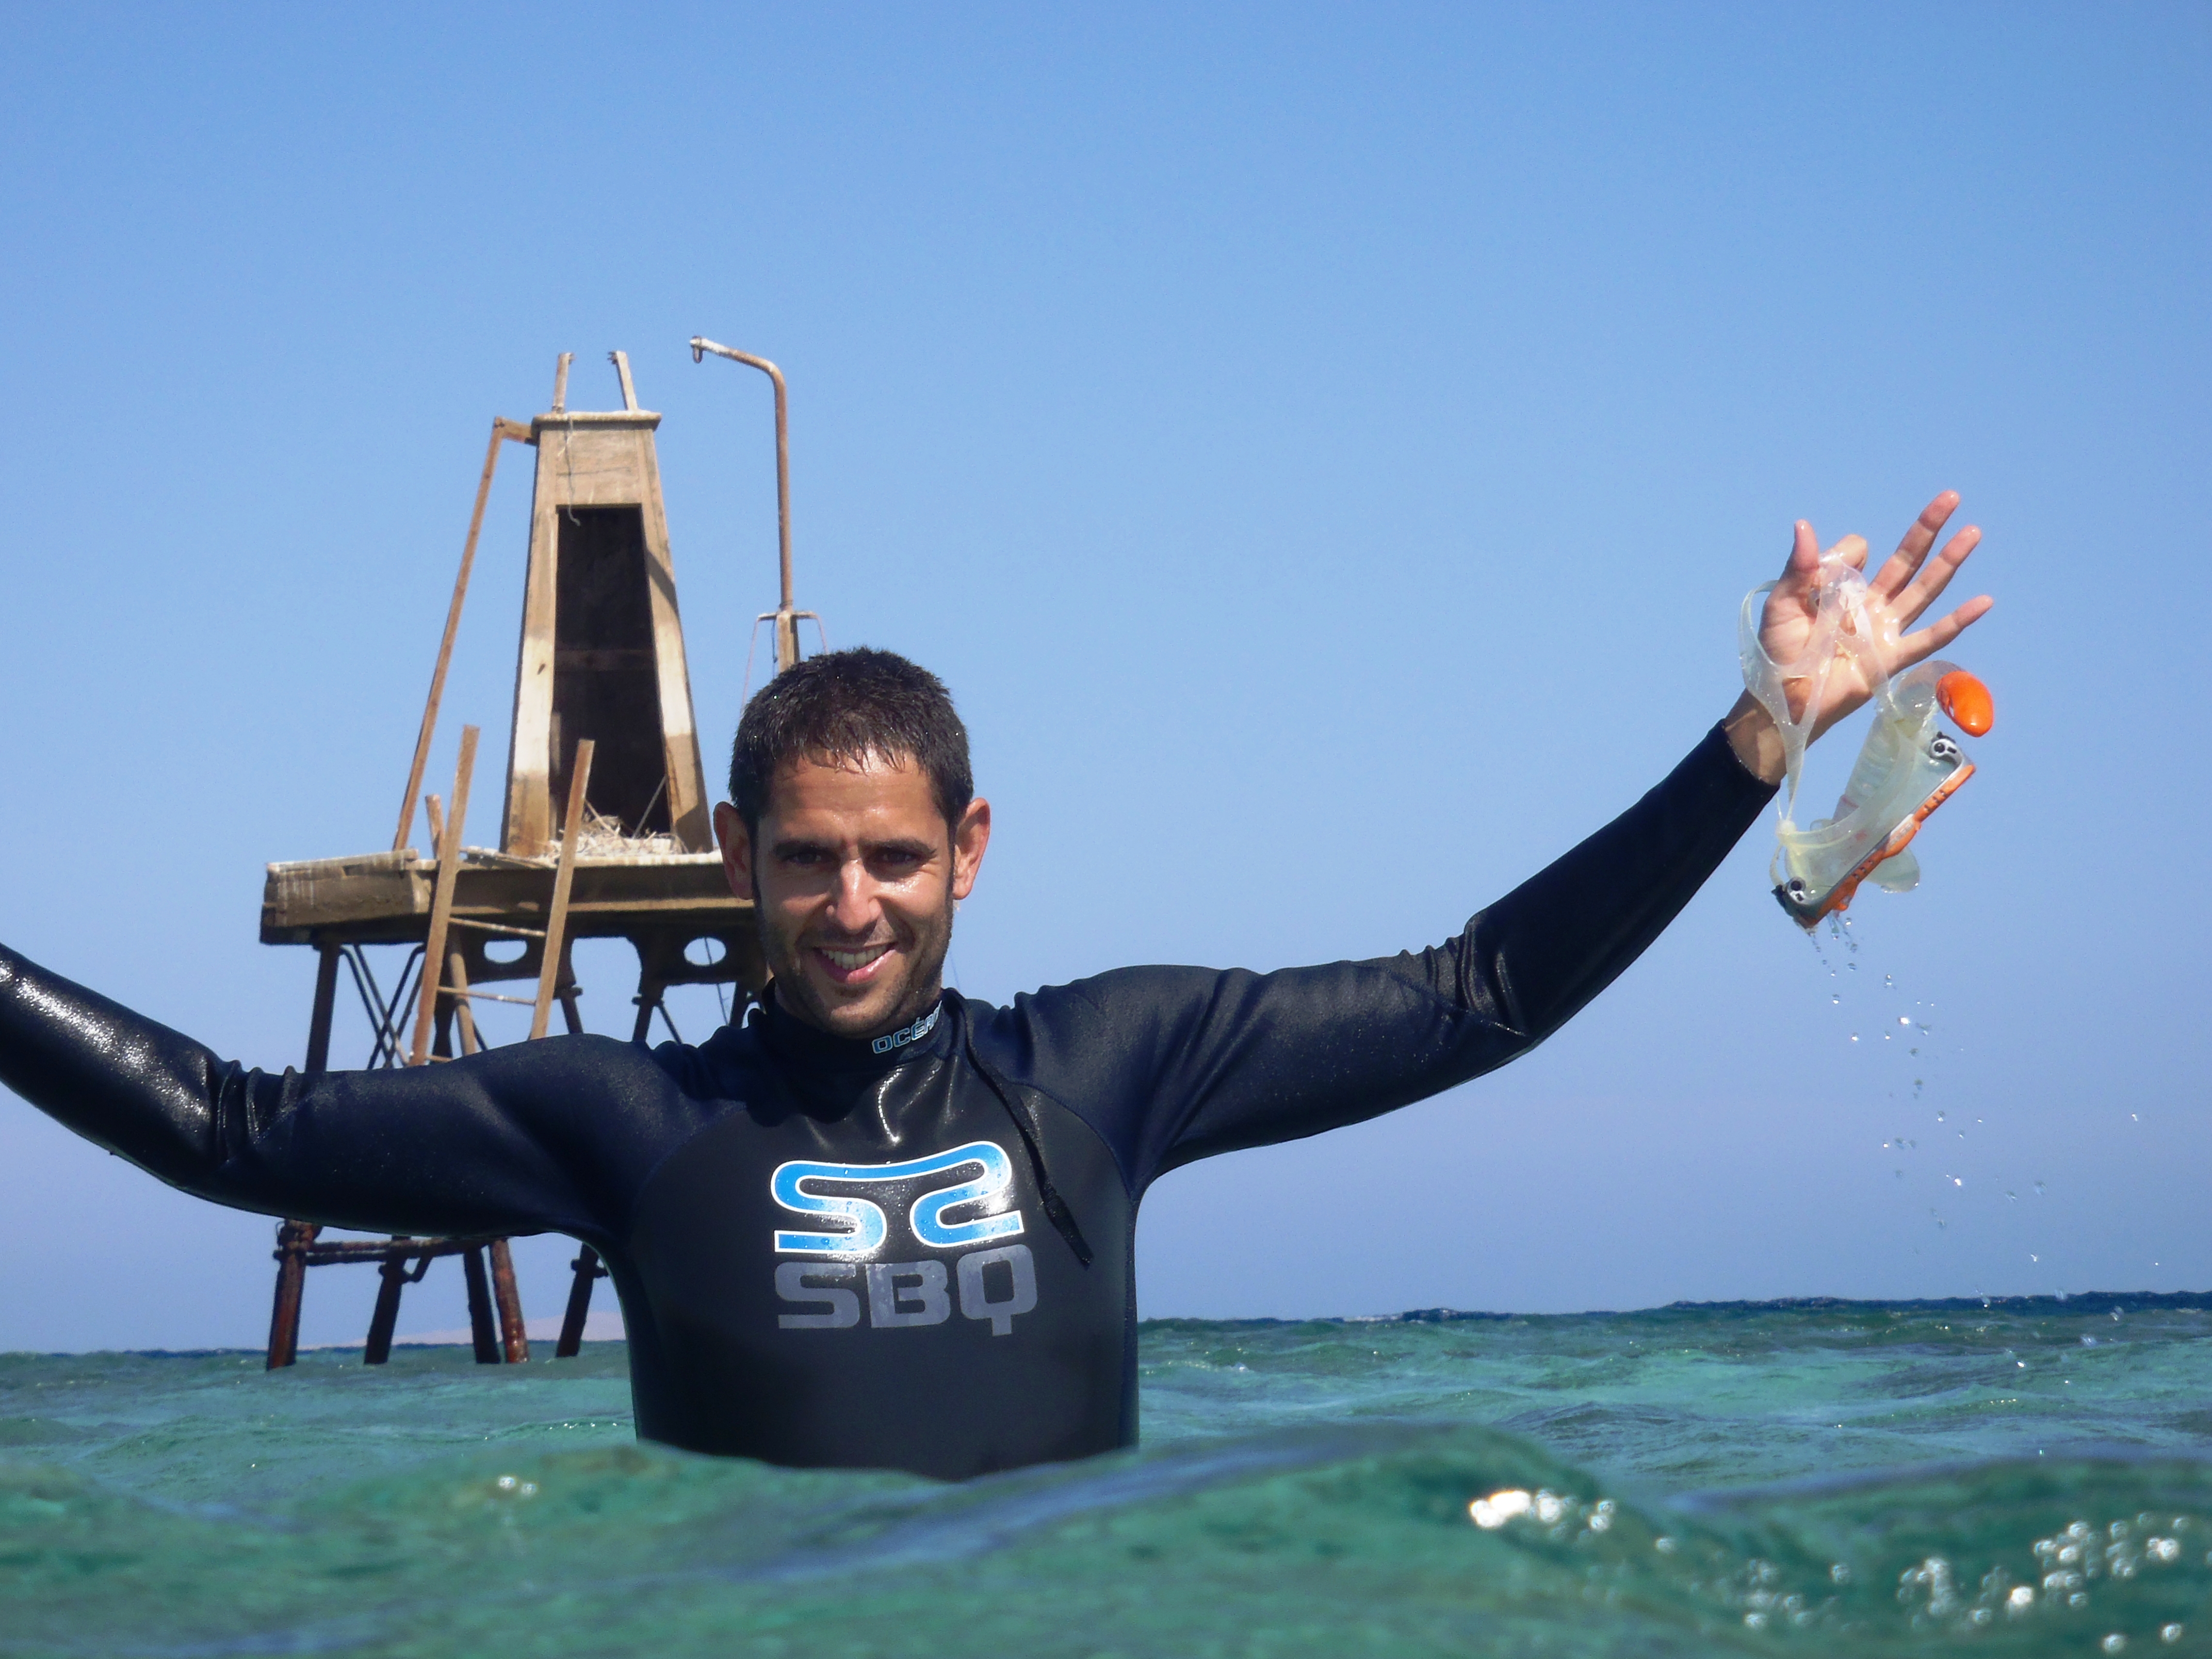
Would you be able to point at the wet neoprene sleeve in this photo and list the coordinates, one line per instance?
(1168, 1064)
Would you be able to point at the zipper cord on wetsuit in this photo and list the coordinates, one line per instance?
(1026, 1126)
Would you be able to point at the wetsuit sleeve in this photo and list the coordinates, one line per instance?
(512, 1140)
(1206, 1062)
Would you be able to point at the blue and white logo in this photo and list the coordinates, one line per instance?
(906, 1034)
(863, 1225)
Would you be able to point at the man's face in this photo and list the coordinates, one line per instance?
(855, 873)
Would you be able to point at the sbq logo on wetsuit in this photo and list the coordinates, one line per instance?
(903, 1293)
(867, 1223)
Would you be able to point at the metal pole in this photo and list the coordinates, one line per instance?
(513, 1340)
(481, 1329)
(293, 1238)
(587, 1268)
(785, 616)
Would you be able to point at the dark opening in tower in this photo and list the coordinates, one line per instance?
(606, 683)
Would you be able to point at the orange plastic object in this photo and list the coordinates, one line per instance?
(1966, 701)
(1899, 838)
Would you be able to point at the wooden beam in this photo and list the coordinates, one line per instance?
(502, 431)
(564, 877)
(441, 904)
(457, 987)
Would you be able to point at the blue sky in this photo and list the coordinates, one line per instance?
(1322, 448)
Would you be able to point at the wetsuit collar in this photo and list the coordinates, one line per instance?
(795, 1041)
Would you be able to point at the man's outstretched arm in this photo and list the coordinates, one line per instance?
(1210, 1062)
(1213, 1062)
(506, 1141)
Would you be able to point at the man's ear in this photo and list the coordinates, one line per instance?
(970, 837)
(737, 852)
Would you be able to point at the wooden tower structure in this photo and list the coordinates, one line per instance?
(602, 724)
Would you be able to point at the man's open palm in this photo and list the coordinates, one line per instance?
(1896, 596)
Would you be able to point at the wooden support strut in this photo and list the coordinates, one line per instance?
(550, 977)
(457, 987)
(445, 984)
(441, 902)
(489, 1266)
(502, 431)
(549, 973)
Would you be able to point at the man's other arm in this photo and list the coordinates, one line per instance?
(1199, 1062)
(504, 1141)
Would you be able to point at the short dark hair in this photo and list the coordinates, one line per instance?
(850, 707)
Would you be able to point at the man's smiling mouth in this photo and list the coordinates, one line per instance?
(853, 965)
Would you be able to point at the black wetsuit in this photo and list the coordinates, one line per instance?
(918, 1258)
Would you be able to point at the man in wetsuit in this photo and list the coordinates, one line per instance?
(878, 1224)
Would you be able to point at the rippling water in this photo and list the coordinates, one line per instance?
(2019, 1477)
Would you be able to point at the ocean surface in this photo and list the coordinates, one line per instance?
(2023, 1476)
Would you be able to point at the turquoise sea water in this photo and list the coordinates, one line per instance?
(2017, 1476)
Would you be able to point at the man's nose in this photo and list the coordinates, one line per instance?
(852, 903)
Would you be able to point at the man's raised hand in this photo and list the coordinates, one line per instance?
(1897, 595)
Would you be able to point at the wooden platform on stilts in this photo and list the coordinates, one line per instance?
(605, 833)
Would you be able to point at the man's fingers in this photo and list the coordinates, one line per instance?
(1918, 647)
(1803, 564)
(1794, 593)
(1934, 576)
(1898, 569)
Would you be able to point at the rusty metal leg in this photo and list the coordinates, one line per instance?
(480, 1321)
(293, 1238)
(571, 1015)
(649, 993)
(319, 1019)
(587, 1268)
(385, 1319)
(514, 1339)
